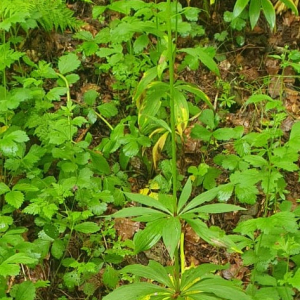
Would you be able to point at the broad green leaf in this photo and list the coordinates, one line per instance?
(254, 12)
(154, 271)
(216, 208)
(221, 288)
(146, 200)
(181, 111)
(214, 235)
(140, 43)
(269, 12)
(90, 97)
(23, 291)
(99, 164)
(185, 195)
(58, 248)
(194, 275)
(10, 267)
(3, 188)
(291, 4)
(201, 133)
(108, 110)
(193, 89)
(208, 118)
(19, 136)
(68, 63)
(205, 58)
(147, 238)
(255, 160)
(136, 291)
(131, 149)
(171, 234)
(25, 187)
(87, 227)
(51, 230)
(258, 98)
(225, 134)
(110, 277)
(148, 76)
(239, 7)
(14, 198)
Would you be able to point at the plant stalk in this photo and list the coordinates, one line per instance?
(171, 59)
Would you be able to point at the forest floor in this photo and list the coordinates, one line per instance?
(243, 68)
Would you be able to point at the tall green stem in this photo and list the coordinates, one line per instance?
(171, 59)
(171, 51)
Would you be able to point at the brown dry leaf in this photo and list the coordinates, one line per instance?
(126, 228)
(272, 66)
(275, 87)
(191, 236)
(250, 74)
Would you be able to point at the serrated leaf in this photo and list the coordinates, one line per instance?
(3, 188)
(140, 43)
(99, 163)
(24, 291)
(14, 198)
(255, 160)
(201, 133)
(87, 227)
(24, 187)
(90, 97)
(108, 110)
(110, 277)
(18, 136)
(68, 63)
(131, 149)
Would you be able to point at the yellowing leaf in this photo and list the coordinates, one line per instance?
(158, 147)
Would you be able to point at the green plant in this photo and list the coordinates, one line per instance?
(166, 215)
(273, 243)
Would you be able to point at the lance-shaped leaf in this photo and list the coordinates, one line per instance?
(269, 12)
(154, 271)
(221, 288)
(202, 198)
(239, 7)
(146, 200)
(181, 111)
(191, 88)
(136, 211)
(216, 208)
(136, 291)
(185, 194)
(147, 238)
(171, 234)
(194, 275)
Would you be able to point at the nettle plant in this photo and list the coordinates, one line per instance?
(166, 216)
(50, 175)
(272, 247)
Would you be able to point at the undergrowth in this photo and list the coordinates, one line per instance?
(62, 189)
